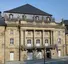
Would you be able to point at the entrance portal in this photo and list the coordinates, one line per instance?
(48, 53)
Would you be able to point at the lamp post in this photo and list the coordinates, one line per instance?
(19, 39)
(46, 44)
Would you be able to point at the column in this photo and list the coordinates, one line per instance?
(42, 37)
(24, 38)
(51, 38)
(33, 43)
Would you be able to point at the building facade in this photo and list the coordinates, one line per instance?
(28, 33)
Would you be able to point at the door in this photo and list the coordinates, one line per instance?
(48, 53)
(29, 56)
(11, 55)
(59, 53)
(39, 55)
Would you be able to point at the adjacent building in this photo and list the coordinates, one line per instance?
(27, 33)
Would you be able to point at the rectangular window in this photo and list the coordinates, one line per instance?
(11, 55)
(11, 41)
(46, 42)
(59, 40)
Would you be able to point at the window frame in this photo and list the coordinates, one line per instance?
(10, 16)
(28, 41)
(59, 40)
(11, 41)
(46, 40)
(37, 41)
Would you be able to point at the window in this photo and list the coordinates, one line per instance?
(11, 41)
(37, 18)
(48, 18)
(29, 41)
(23, 17)
(59, 40)
(10, 16)
(46, 40)
(11, 31)
(11, 55)
(38, 41)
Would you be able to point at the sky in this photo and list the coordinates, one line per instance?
(58, 8)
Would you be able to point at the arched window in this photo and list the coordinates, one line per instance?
(29, 41)
(10, 16)
(38, 41)
(11, 41)
(46, 40)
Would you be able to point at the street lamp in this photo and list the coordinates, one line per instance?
(46, 45)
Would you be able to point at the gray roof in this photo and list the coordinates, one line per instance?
(65, 22)
(28, 9)
(2, 21)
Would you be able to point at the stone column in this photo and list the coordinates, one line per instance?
(43, 38)
(51, 38)
(33, 43)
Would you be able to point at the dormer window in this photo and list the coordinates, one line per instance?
(37, 18)
(18, 17)
(48, 18)
(23, 17)
(10, 16)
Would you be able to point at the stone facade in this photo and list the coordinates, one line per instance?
(27, 40)
(32, 33)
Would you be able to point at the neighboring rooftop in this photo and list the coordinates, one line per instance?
(28, 9)
(65, 22)
(2, 21)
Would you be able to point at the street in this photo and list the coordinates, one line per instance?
(48, 61)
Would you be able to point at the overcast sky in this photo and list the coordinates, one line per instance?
(58, 8)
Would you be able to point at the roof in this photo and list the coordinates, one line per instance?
(66, 31)
(28, 9)
(2, 21)
(65, 22)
